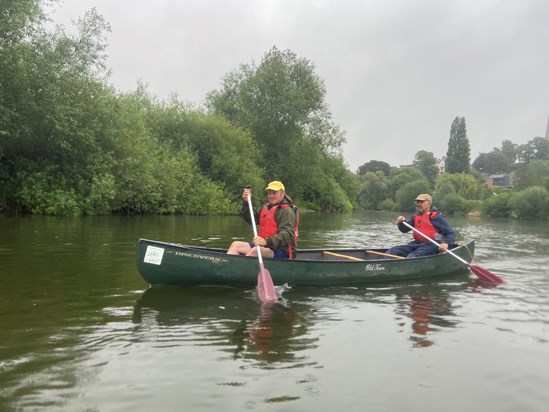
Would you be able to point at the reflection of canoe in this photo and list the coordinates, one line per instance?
(162, 263)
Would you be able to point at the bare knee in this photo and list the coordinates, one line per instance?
(265, 252)
(238, 248)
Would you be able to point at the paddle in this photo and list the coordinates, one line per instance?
(481, 273)
(265, 287)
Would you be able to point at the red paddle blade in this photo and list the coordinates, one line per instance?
(265, 287)
(485, 274)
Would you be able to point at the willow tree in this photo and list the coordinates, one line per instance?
(282, 102)
(458, 156)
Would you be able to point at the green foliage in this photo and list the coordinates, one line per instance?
(405, 196)
(534, 173)
(509, 149)
(444, 189)
(535, 149)
(18, 19)
(499, 160)
(349, 181)
(47, 192)
(400, 177)
(459, 152)
(464, 184)
(374, 190)
(387, 204)
(282, 102)
(479, 177)
(498, 205)
(493, 162)
(226, 154)
(71, 145)
(102, 195)
(374, 166)
(453, 204)
(531, 203)
(427, 165)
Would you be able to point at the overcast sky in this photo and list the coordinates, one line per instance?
(397, 72)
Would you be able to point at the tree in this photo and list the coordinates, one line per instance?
(464, 185)
(535, 149)
(509, 149)
(406, 194)
(400, 176)
(374, 190)
(480, 162)
(497, 205)
(459, 152)
(453, 204)
(535, 173)
(282, 102)
(427, 165)
(374, 166)
(531, 203)
(496, 162)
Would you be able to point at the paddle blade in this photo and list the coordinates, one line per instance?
(265, 286)
(485, 274)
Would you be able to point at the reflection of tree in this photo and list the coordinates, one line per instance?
(229, 319)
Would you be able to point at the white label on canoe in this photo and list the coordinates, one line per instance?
(154, 255)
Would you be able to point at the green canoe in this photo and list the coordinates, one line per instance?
(163, 263)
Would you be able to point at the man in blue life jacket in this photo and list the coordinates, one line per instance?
(429, 221)
(278, 221)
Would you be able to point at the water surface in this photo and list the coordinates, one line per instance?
(80, 330)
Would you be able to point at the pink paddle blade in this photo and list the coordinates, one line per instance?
(485, 274)
(265, 287)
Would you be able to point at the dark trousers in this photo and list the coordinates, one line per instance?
(414, 249)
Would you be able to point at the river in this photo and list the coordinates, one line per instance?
(81, 331)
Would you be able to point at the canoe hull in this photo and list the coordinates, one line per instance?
(163, 263)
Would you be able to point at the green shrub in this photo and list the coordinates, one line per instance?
(46, 193)
(406, 194)
(498, 205)
(454, 204)
(531, 203)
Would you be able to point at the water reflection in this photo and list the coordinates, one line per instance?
(231, 319)
(279, 333)
(424, 309)
(429, 311)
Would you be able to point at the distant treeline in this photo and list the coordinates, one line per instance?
(511, 181)
(70, 144)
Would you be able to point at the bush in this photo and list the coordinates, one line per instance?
(531, 203)
(102, 194)
(454, 204)
(46, 193)
(497, 205)
(387, 204)
(406, 194)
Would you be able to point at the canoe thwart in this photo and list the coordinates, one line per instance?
(342, 256)
(373, 252)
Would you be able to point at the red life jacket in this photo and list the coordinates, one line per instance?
(268, 226)
(424, 225)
